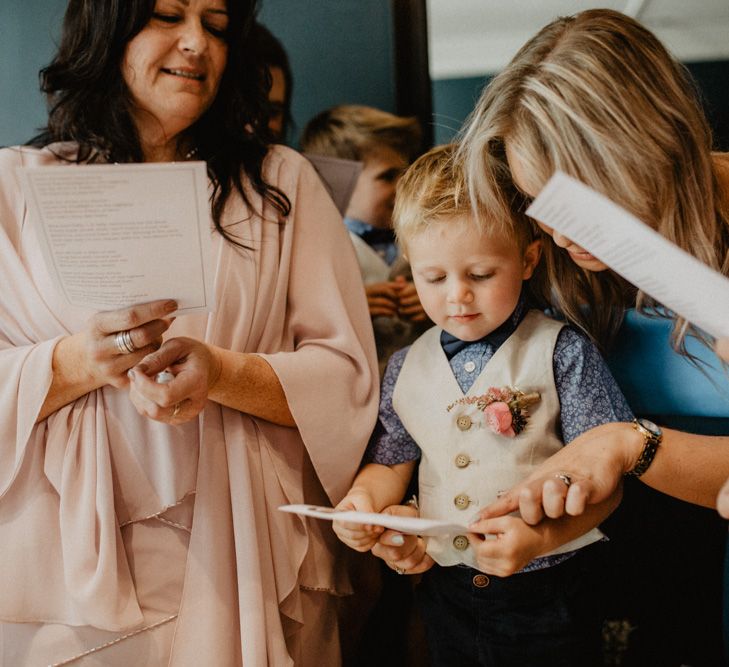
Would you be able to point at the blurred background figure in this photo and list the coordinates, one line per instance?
(273, 55)
(386, 144)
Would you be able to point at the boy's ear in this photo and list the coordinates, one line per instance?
(531, 258)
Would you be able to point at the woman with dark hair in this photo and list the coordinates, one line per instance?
(146, 532)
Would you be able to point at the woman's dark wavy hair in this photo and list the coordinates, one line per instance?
(90, 104)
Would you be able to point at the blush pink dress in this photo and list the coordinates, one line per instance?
(124, 541)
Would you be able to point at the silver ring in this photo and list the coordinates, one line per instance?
(399, 570)
(123, 342)
(176, 409)
(565, 478)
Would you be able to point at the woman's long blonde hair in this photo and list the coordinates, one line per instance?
(597, 96)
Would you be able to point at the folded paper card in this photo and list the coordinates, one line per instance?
(402, 524)
(116, 235)
(673, 277)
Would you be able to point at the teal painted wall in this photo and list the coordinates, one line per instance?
(453, 100)
(28, 33)
(340, 51)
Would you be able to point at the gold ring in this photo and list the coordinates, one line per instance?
(176, 409)
(565, 478)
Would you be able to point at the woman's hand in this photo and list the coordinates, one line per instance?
(722, 502)
(505, 545)
(100, 355)
(586, 471)
(722, 348)
(356, 535)
(107, 339)
(196, 368)
(403, 553)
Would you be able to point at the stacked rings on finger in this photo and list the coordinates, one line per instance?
(123, 341)
(565, 478)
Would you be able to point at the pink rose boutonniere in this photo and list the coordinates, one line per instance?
(501, 410)
(499, 418)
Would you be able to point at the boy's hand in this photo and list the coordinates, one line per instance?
(403, 553)
(356, 535)
(504, 545)
(410, 307)
(382, 299)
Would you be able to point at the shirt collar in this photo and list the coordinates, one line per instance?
(452, 345)
(357, 226)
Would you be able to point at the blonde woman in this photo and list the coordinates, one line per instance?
(597, 96)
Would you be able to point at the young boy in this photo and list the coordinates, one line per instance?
(476, 402)
(385, 144)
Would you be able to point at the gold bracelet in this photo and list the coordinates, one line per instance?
(652, 436)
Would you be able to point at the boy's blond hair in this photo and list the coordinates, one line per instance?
(353, 132)
(434, 189)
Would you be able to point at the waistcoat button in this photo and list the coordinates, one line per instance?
(481, 581)
(461, 501)
(464, 422)
(462, 460)
(460, 542)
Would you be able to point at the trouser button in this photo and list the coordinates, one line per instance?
(481, 581)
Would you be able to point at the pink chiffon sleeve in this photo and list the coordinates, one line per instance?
(330, 378)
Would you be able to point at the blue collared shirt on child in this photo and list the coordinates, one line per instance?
(382, 241)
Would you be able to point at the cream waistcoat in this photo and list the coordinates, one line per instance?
(462, 471)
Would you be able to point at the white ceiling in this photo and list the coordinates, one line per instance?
(476, 37)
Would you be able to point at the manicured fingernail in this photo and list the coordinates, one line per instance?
(397, 540)
(130, 374)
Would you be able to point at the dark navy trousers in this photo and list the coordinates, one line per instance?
(546, 618)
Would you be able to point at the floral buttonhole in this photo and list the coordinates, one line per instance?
(502, 410)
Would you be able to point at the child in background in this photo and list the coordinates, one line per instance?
(475, 403)
(385, 144)
(276, 60)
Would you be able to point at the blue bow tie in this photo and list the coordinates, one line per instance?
(452, 345)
